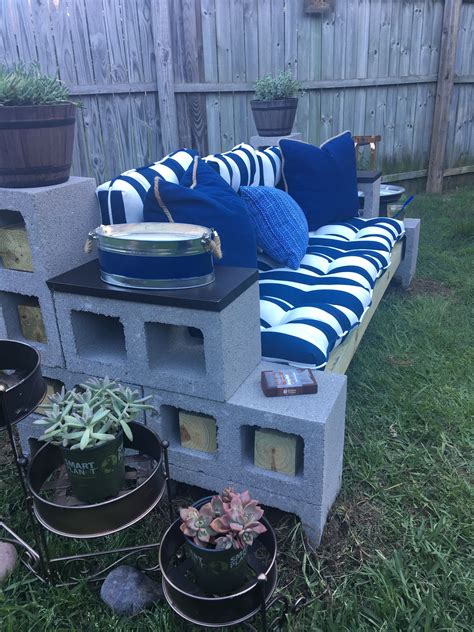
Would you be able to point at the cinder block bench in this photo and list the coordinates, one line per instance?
(314, 425)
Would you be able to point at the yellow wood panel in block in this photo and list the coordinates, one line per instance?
(197, 431)
(277, 451)
(15, 250)
(31, 322)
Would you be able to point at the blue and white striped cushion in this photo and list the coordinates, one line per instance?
(306, 313)
(121, 199)
(245, 166)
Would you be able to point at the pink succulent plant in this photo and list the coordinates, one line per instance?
(228, 520)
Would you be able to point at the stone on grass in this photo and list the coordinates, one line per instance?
(128, 591)
(8, 558)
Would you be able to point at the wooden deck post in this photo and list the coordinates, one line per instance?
(164, 74)
(444, 89)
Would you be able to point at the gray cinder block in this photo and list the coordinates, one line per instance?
(371, 191)
(267, 141)
(318, 419)
(407, 268)
(57, 220)
(313, 517)
(26, 429)
(152, 344)
(37, 294)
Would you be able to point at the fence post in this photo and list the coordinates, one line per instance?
(444, 89)
(164, 74)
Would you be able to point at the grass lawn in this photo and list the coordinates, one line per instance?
(397, 550)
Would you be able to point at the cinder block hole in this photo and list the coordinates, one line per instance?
(272, 450)
(22, 317)
(52, 386)
(190, 430)
(98, 337)
(174, 347)
(15, 251)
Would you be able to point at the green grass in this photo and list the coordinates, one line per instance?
(397, 551)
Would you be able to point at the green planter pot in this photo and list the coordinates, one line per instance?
(218, 572)
(96, 473)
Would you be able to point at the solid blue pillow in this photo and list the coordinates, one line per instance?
(203, 197)
(323, 180)
(280, 224)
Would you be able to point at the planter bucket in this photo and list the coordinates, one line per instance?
(36, 142)
(96, 473)
(274, 118)
(217, 572)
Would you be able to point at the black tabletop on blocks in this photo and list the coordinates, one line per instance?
(230, 283)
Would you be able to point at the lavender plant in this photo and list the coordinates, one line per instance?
(283, 86)
(228, 520)
(23, 84)
(91, 414)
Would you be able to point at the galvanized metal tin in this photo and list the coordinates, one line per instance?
(155, 255)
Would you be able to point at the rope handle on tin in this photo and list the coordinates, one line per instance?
(89, 242)
(215, 244)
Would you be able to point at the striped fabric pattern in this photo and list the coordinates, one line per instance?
(306, 313)
(121, 199)
(269, 166)
(244, 166)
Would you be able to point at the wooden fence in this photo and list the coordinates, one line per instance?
(154, 75)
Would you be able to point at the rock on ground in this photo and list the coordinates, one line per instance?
(128, 591)
(8, 559)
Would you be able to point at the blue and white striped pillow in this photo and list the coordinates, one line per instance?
(245, 166)
(121, 199)
(237, 167)
(269, 166)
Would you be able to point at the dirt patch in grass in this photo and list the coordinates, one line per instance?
(350, 536)
(429, 287)
(394, 361)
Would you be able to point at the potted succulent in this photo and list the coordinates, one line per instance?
(88, 423)
(219, 530)
(275, 103)
(37, 121)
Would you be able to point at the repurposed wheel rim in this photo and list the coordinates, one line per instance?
(18, 401)
(109, 516)
(220, 611)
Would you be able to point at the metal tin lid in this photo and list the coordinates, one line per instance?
(155, 238)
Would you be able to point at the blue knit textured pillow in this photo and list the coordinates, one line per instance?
(280, 224)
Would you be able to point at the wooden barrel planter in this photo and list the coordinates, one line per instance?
(274, 118)
(37, 142)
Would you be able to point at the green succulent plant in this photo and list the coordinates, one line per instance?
(283, 86)
(91, 414)
(22, 84)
